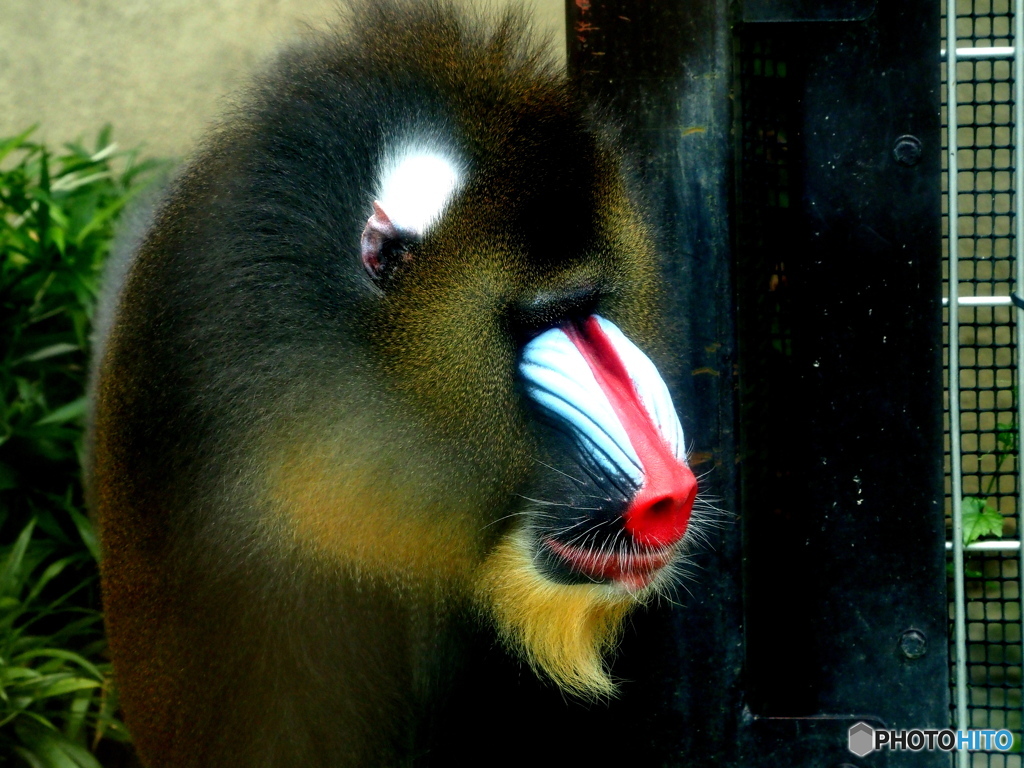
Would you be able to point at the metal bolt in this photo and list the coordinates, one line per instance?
(907, 150)
(913, 644)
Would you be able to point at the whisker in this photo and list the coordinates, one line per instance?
(559, 504)
(523, 512)
(555, 469)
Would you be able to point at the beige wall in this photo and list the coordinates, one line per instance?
(156, 69)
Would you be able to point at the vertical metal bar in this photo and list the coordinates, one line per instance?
(1018, 253)
(960, 603)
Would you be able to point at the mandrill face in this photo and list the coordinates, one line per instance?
(502, 314)
(508, 329)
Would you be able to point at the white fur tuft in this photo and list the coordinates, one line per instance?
(416, 185)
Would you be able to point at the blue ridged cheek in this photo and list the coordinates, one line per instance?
(560, 380)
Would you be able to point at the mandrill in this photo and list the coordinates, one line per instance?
(373, 380)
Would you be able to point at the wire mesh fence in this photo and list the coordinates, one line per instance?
(985, 349)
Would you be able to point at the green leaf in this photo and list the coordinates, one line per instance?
(13, 675)
(53, 570)
(8, 477)
(11, 577)
(9, 145)
(103, 139)
(55, 751)
(78, 709)
(30, 757)
(1006, 437)
(72, 181)
(103, 216)
(8, 604)
(73, 410)
(979, 520)
(61, 348)
(59, 654)
(64, 687)
(86, 531)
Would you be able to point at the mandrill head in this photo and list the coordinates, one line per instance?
(388, 337)
(511, 285)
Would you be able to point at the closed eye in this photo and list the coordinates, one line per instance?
(548, 309)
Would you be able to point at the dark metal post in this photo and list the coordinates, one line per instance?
(664, 67)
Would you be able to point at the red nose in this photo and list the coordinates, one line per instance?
(661, 510)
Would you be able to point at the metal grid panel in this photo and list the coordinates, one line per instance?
(985, 125)
(983, 23)
(994, 634)
(993, 648)
(987, 408)
(984, 339)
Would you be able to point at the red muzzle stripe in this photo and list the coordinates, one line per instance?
(660, 511)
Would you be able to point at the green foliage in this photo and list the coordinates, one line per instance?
(980, 519)
(57, 213)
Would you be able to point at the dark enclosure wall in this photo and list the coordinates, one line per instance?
(791, 151)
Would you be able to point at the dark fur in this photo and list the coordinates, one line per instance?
(247, 327)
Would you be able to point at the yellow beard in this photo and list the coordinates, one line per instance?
(563, 630)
